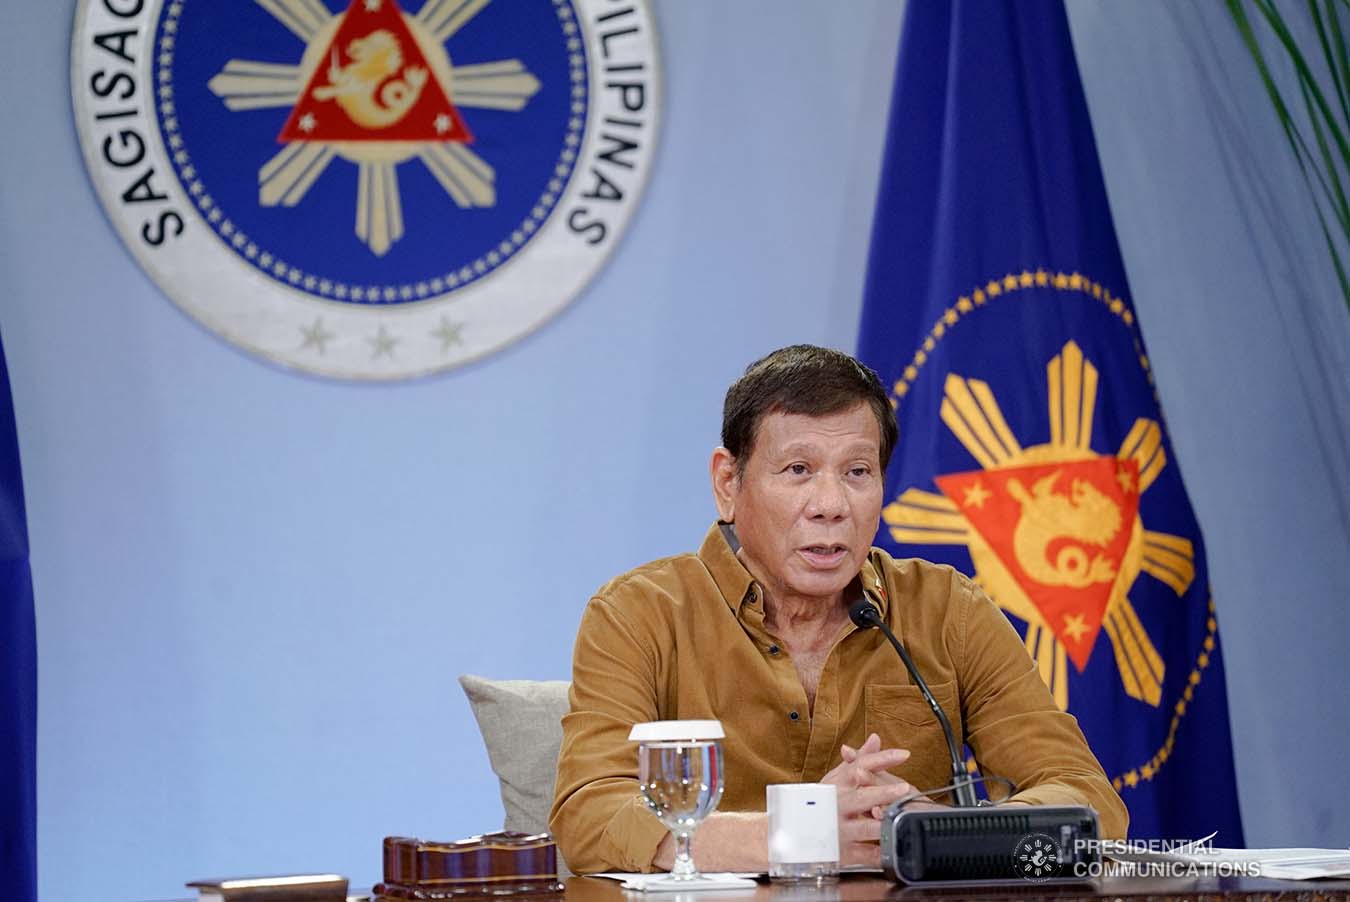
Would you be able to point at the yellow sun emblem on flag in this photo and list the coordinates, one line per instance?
(1054, 530)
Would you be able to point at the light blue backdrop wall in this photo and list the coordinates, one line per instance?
(255, 589)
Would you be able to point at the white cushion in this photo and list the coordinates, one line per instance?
(521, 723)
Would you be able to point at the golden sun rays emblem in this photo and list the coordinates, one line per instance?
(376, 87)
(1054, 530)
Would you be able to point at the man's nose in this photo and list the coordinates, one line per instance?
(828, 500)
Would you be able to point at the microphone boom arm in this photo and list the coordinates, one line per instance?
(865, 615)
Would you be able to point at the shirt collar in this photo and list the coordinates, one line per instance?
(718, 554)
(738, 587)
(874, 586)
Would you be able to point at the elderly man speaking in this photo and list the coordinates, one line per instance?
(754, 631)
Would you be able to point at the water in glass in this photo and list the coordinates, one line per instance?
(682, 784)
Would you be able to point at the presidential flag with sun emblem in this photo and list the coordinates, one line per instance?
(1033, 453)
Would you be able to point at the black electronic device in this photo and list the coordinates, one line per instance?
(997, 844)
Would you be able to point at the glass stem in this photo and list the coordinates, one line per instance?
(683, 868)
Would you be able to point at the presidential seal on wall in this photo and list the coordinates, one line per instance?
(368, 189)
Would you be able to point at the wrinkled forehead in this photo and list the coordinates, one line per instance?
(850, 432)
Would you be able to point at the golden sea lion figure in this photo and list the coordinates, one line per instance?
(1087, 515)
(375, 57)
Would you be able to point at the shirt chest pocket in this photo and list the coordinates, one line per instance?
(901, 717)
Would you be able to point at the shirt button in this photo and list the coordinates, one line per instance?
(794, 715)
(773, 649)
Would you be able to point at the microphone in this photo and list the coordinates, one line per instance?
(968, 844)
(865, 615)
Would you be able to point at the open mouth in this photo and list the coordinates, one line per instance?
(824, 555)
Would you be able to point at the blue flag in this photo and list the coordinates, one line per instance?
(1033, 453)
(18, 674)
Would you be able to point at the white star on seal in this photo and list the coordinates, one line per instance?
(307, 122)
(316, 336)
(372, 5)
(442, 124)
(383, 343)
(448, 333)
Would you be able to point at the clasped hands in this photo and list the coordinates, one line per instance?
(865, 788)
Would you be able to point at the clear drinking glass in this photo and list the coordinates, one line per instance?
(680, 778)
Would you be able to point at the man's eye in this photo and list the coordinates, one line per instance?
(797, 469)
(860, 471)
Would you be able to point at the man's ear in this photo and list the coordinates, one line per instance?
(725, 483)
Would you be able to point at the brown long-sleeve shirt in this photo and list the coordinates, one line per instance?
(684, 638)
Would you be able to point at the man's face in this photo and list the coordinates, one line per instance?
(807, 507)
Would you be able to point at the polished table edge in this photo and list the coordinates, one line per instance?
(874, 888)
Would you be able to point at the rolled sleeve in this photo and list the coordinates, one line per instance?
(598, 818)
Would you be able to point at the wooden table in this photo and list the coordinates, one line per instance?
(859, 888)
(866, 888)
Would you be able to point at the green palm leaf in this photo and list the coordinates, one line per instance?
(1325, 163)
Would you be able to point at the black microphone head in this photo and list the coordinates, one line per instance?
(863, 613)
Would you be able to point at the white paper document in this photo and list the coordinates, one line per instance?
(1287, 864)
(1277, 864)
(661, 883)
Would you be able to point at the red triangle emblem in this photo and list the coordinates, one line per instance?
(1062, 530)
(376, 86)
